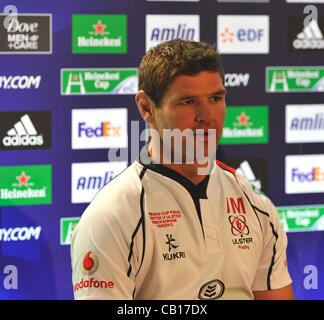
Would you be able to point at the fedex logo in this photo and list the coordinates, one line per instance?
(304, 173)
(236, 33)
(89, 133)
(314, 175)
(105, 129)
(235, 205)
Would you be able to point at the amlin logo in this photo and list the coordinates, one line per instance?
(99, 81)
(25, 185)
(246, 124)
(162, 27)
(99, 33)
(88, 178)
(304, 123)
(305, 173)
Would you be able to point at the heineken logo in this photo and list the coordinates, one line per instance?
(246, 125)
(295, 79)
(99, 81)
(99, 34)
(25, 185)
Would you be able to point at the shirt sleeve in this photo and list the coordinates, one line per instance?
(272, 272)
(104, 255)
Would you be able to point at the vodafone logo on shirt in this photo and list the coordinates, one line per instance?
(90, 263)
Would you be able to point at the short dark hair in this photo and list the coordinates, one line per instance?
(163, 63)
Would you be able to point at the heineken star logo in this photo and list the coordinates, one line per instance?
(242, 120)
(23, 179)
(99, 28)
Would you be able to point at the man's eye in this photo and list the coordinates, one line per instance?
(216, 98)
(188, 101)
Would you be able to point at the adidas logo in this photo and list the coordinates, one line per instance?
(246, 171)
(310, 38)
(23, 133)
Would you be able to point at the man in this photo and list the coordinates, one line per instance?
(167, 229)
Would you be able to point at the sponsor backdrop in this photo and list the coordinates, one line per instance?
(67, 83)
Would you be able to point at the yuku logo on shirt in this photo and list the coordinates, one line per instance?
(172, 245)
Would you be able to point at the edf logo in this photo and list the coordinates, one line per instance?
(250, 34)
(105, 129)
(236, 33)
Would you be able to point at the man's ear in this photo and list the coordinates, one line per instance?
(145, 106)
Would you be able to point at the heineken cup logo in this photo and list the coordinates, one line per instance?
(99, 81)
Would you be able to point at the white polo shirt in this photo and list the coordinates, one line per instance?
(152, 234)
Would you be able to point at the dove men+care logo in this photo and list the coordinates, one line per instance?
(26, 34)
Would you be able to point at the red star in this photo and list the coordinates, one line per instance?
(99, 27)
(243, 119)
(23, 179)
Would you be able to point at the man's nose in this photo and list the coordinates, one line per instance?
(203, 113)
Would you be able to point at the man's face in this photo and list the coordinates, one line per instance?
(193, 102)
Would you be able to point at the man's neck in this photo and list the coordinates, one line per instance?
(194, 172)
